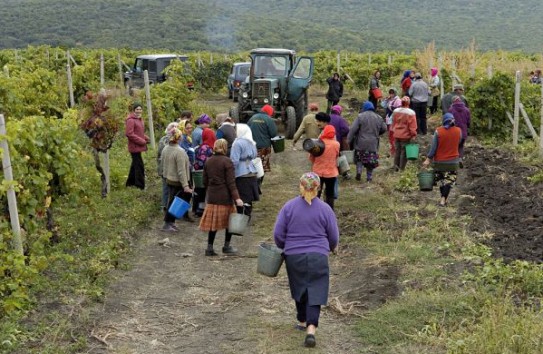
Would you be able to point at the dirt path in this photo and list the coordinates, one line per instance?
(176, 300)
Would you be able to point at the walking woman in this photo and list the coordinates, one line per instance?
(242, 154)
(435, 90)
(176, 170)
(404, 128)
(221, 195)
(391, 103)
(137, 143)
(202, 153)
(162, 143)
(325, 166)
(306, 229)
(374, 86)
(445, 156)
(364, 136)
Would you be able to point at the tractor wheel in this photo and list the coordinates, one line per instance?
(230, 94)
(234, 113)
(291, 122)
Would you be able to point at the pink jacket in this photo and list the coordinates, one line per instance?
(135, 132)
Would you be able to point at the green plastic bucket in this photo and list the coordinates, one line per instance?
(270, 259)
(278, 143)
(412, 151)
(426, 180)
(198, 179)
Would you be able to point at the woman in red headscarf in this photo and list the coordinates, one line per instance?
(325, 165)
(202, 153)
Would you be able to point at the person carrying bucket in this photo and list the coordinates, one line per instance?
(221, 195)
(263, 129)
(364, 136)
(242, 154)
(176, 170)
(404, 129)
(306, 229)
(444, 155)
(325, 165)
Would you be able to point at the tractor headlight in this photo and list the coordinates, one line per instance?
(245, 95)
(255, 101)
(266, 100)
(276, 95)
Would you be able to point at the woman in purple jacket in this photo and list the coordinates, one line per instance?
(306, 229)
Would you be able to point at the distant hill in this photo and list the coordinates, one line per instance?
(310, 25)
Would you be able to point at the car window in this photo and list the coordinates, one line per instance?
(244, 70)
(139, 65)
(152, 66)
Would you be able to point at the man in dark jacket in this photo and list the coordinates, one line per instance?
(335, 91)
(446, 101)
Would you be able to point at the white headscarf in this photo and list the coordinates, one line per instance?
(244, 132)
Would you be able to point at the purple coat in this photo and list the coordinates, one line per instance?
(462, 117)
(341, 126)
(303, 228)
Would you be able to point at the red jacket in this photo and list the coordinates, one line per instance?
(135, 132)
(404, 124)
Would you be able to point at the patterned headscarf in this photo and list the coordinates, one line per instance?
(183, 127)
(170, 127)
(309, 186)
(175, 135)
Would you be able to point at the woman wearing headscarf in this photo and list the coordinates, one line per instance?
(162, 143)
(325, 165)
(434, 89)
(222, 193)
(137, 143)
(242, 155)
(202, 153)
(176, 170)
(306, 229)
(404, 128)
(391, 103)
(406, 82)
(364, 136)
(462, 119)
(186, 140)
(341, 126)
(444, 156)
(203, 122)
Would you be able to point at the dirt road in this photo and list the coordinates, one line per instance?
(176, 300)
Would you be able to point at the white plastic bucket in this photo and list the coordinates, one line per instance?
(343, 165)
(257, 162)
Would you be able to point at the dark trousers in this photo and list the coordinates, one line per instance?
(136, 175)
(400, 158)
(330, 104)
(420, 112)
(307, 313)
(175, 191)
(433, 109)
(329, 184)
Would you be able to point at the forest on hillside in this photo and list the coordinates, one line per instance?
(236, 25)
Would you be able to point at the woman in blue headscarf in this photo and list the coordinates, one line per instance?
(444, 156)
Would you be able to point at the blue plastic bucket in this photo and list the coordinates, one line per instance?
(178, 208)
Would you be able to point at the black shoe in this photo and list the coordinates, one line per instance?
(211, 253)
(358, 177)
(310, 341)
(229, 250)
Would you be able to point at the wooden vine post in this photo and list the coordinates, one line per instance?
(120, 67)
(70, 84)
(149, 108)
(516, 113)
(106, 154)
(102, 70)
(338, 61)
(12, 199)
